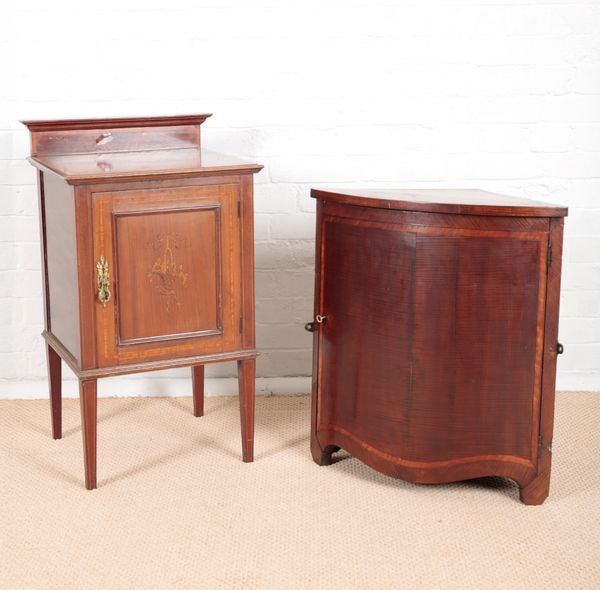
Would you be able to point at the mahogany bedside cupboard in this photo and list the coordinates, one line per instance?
(148, 258)
(435, 334)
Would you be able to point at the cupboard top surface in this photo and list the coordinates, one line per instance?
(453, 201)
(107, 166)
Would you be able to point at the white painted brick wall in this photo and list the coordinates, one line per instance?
(497, 94)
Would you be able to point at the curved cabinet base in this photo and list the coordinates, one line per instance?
(533, 487)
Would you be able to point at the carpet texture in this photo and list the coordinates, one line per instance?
(177, 508)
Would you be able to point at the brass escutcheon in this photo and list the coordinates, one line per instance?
(103, 280)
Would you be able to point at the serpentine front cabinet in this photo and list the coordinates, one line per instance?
(435, 334)
(148, 257)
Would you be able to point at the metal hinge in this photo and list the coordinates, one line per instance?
(239, 209)
(549, 255)
(542, 446)
(241, 324)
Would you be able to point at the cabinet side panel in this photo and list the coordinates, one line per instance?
(61, 255)
(43, 257)
(247, 260)
(538, 489)
(551, 333)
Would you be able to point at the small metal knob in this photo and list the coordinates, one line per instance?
(312, 326)
(104, 138)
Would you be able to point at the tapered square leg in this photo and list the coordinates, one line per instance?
(198, 389)
(88, 402)
(246, 382)
(55, 384)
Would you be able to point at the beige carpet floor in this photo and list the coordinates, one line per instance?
(177, 508)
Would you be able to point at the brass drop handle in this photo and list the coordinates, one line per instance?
(103, 281)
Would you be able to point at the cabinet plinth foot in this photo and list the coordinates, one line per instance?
(322, 457)
(536, 491)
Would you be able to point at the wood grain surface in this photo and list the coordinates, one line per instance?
(430, 362)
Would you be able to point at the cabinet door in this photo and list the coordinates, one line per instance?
(173, 258)
(431, 352)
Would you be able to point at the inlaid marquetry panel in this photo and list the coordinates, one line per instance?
(168, 273)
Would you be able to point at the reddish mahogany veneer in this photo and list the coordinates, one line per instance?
(436, 357)
(174, 224)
